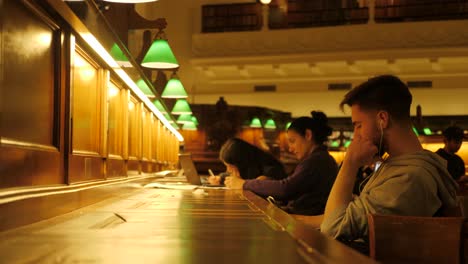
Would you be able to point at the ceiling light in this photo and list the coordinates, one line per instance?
(270, 124)
(144, 87)
(119, 56)
(159, 55)
(174, 88)
(181, 107)
(255, 122)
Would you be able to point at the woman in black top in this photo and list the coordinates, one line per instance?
(248, 161)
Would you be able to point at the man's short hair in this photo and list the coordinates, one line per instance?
(385, 92)
(453, 132)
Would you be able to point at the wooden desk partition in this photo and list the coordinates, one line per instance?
(174, 226)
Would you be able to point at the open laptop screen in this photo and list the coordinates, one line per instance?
(186, 163)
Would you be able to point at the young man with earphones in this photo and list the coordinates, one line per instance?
(410, 181)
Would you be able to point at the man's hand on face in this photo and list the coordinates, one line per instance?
(361, 151)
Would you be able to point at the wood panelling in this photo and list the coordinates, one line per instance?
(134, 128)
(146, 166)
(133, 166)
(29, 166)
(116, 121)
(87, 86)
(30, 152)
(83, 167)
(146, 134)
(62, 121)
(116, 167)
(29, 80)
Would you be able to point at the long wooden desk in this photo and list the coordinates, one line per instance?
(174, 226)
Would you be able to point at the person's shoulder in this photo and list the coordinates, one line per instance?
(440, 151)
(321, 157)
(459, 158)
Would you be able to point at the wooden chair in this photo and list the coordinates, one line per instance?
(463, 203)
(411, 239)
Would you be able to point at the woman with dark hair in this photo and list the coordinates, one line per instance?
(306, 190)
(248, 161)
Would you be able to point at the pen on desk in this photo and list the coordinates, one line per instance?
(211, 172)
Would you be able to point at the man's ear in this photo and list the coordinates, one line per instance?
(383, 119)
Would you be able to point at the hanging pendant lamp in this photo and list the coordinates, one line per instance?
(189, 126)
(182, 119)
(160, 55)
(181, 107)
(255, 123)
(144, 88)
(119, 56)
(174, 88)
(270, 124)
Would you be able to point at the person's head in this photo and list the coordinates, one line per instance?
(453, 137)
(378, 105)
(238, 153)
(305, 133)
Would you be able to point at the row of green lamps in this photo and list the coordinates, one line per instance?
(269, 124)
(160, 56)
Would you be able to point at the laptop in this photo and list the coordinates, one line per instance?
(191, 174)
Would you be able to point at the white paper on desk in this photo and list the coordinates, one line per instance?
(171, 186)
(166, 173)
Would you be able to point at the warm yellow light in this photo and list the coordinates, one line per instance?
(112, 90)
(265, 2)
(79, 62)
(45, 39)
(131, 106)
(83, 68)
(94, 43)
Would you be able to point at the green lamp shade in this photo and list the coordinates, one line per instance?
(189, 126)
(160, 56)
(168, 117)
(335, 143)
(160, 107)
(427, 131)
(182, 119)
(181, 107)
(174, 89)
(270, 124)
(119, 56)
(347, 143)
(195, 120)
(144, 87)
(255, 122)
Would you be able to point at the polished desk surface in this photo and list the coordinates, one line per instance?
(174, 226)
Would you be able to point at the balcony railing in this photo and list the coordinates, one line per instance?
(304, 13)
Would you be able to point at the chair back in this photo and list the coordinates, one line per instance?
(412, 239)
